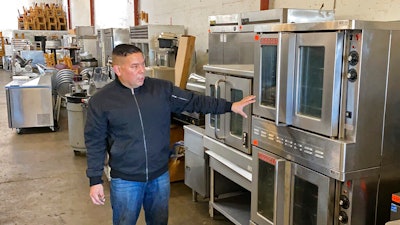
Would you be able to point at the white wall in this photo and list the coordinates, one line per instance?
(113, 14)
(80, 12)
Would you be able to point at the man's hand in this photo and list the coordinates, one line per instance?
(97, 194)
(237, 107)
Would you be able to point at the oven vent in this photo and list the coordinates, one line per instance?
(139, 32)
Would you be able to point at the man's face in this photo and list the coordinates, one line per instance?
(131, 70)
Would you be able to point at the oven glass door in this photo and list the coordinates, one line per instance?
(318, 64)
(272, 82)
(213, 121)
(237, 128)
(312, 197)
(232, 129)
(268, 195)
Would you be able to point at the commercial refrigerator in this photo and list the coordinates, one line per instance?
(108, 39)
(29, 103)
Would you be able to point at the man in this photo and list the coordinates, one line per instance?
(130, 119)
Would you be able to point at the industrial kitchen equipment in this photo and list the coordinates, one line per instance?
(231, 36)
(227, 142)
(231, 82)
(107, 40)
(29, 103)
(227, 44)
(156, 42)
(325, 124)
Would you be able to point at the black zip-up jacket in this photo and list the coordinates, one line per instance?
(133, 126)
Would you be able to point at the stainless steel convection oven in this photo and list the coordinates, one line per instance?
(325, 125)
(231, 82)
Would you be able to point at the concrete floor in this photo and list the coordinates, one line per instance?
(43, 182)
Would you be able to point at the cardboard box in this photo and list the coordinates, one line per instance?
(176, 169)
(183, 59)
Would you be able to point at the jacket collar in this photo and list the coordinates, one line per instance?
(118, 82)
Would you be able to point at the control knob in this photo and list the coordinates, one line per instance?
(353, 58)
(343, 218)
(352, 75)
(344, 202)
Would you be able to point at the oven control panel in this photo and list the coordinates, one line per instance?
(295, 144)
(287, 143)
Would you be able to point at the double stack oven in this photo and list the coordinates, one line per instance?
(324, 125)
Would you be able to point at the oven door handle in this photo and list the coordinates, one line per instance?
(278, 93)
(280, 192)
(216, 115)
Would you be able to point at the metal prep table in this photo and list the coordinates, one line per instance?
(29, 103)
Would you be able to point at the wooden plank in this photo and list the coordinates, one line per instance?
(183, 59)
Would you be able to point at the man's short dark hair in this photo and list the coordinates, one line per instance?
(125, 49)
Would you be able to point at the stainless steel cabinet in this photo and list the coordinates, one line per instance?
(231, 48)
(29, 103)
(196, 163)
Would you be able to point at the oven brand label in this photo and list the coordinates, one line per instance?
(267, 159)
(396, 198)
(269, 41)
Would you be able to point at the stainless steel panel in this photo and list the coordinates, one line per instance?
(120, 36)
(193, 136)
(231, 69)
(230, 170)
(196, 162)
(224, 19)
(29, 104)
(329, 26)
(238, 158)
(326, 155)
(361, 194)
(197, 173)
(111, 38)
(231, 48)
(215, 48)
(286, 15)
(390, 154)
(239, 48)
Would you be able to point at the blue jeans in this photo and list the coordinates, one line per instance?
(128, 197)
